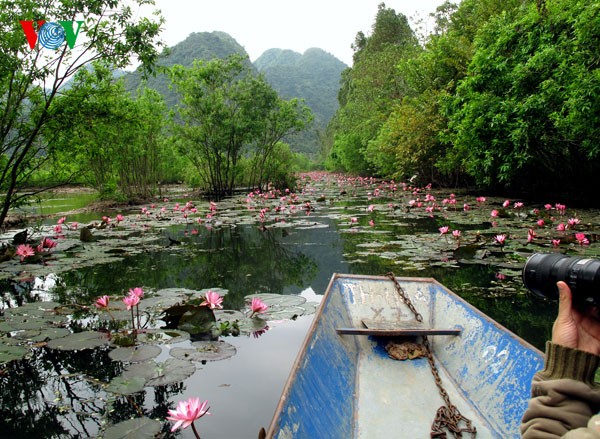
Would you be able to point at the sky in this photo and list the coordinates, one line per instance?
(258, 25)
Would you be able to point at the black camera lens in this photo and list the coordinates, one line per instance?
(543, 271)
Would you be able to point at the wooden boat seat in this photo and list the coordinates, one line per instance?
(383, 328)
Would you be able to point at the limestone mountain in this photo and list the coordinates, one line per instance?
(313, 76)
(198, 45)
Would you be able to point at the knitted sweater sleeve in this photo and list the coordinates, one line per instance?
(564, 396)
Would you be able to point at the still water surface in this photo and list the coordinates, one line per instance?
(245, 259)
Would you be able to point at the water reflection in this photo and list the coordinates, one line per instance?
(47, 395)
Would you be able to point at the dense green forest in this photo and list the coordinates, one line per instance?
(503, 95)
(313, 76)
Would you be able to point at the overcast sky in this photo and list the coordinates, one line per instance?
(298, 25)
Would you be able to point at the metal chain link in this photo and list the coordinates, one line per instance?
(448, 417)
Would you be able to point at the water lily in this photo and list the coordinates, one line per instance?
(572, 222)
(494, 213)
(137, 291)
(25, 251)
(500, 239)
(131, 301)
(212, 300)
(580, 237)
(561, 227)
(187, 412)
(555, 242)
(257, 306)
(102, 302)
(444, 229)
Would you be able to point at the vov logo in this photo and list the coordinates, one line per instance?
(51, 34)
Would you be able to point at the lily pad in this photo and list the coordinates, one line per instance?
(278, 300)
(51, 334)
(10, 353)
(161, 336)
(248, 325)
(79, 341)
(135, 354)
(197, 320)
(139, 428)
(126, 385)
(205, 351)
(158, 374)
(228, 315)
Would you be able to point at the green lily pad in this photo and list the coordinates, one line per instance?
(139, 428)
(33, 309)
(248, 326)
(21, 323)
(228, 315)
(79, 341)
(205, 351)
(51, 334)
(161, 336)
(277, 300)
(158, 374)
(10, 353)
(135, 354)
(197, 320)
(126, 385)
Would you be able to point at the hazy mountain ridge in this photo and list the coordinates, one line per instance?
(313, 76)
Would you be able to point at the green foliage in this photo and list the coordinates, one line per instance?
(369, 89)
(198, 45)
(113, 140)
(527, 114)
(228, 112)
(313, 76)
(30, 79)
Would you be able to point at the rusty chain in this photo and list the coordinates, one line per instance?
(448, 417)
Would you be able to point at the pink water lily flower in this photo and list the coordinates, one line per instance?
(212, 300)
(131, 301)
(102, 302)
(258, 306)
(24, 251)
(137, 291)
(500, 239)
(444, 229)
(580, 237)
(187, 412)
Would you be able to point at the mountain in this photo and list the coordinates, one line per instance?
(198, 45)
(313, 76)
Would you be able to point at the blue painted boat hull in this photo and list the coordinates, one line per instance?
(346, 386)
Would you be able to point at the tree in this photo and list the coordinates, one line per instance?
(227, 111)
(30, 78)
(528, 113)
(369, 90)
(112, 139)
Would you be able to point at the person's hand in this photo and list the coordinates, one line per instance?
(572, 328)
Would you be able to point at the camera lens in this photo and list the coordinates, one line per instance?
(542, 271)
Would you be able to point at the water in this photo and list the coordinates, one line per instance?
(57, 394)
